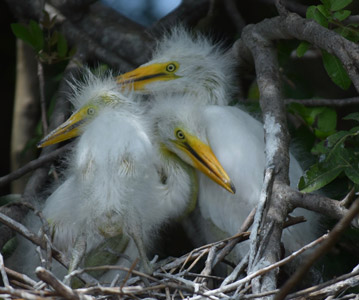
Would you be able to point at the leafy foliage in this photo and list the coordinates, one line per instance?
(49, 44)
(330, 14)
(321, 120)
(338, 156)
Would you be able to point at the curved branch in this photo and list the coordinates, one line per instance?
(39, 177)
(33, 165)
(320, 251)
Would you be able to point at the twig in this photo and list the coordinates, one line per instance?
(130, 271)
(264, 197)
(111, 267)
(20, 294)
(20, 276)
(333, 237)
(198, 251)
(321, 286)
(208, 264)
(325, 102)
(234, 285)
(34, 164)
(40, 73)
(186, 282)
(239, 268)
(3, 272)
(21, 229)
(58, 286)
(348, 199)
(231, 244)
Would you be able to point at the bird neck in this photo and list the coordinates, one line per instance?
(181, 183)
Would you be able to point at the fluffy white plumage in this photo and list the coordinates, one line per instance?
(120, 178)
(237, 140)
(204, 69)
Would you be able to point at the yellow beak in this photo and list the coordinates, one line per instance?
(142, 76)
(67, 130)
(205, 161)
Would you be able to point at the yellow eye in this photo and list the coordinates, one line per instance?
(171, 68)
(180, 134)
(90, 111)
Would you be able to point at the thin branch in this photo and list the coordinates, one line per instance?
(325, 102)
(3, 272)
(40, 74)
(20, 294)
(231, 244)
(234, 285)
(34, 164)
(58, 286)
(19, 276)
(321, 250)
(259, 217)
(315, 202)
(21, 229)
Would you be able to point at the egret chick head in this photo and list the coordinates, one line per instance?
(88, 97)
(186, 62)
(180, 130)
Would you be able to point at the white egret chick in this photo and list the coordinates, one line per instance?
(237, 139)
(185, 62)
(111, 185)
(116, 180)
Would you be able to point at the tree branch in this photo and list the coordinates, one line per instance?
(320, 251)
(34, 164)
(325, 102)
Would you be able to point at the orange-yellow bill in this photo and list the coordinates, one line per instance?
(69, 129)
(205, 161)
(144, 75)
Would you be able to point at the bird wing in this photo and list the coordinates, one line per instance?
(237, 139)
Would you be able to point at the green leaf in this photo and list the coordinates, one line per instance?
(315, 177)
(353, 116)
(302, 48)
(322, 134)
(37, 35)
(320, 18)
(354, 130)
(324, 11)
(338, 137)
(312, 114)
(335, 70)
(327, 120)
(342, 14)
(339, 4)
(22, 32)
(326, 3)
(310, 12)
(61, 46)
(320, 148)
(353, 174)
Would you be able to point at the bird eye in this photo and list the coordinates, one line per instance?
(171, 68)
(90, 111)
(180, 134)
